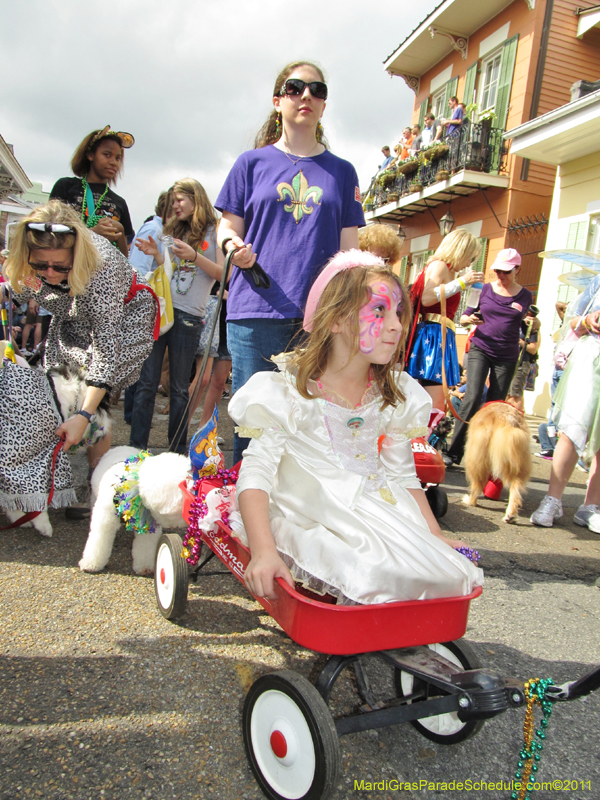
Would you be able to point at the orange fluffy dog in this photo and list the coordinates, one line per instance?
(498, 446)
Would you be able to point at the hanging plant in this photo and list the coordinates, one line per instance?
(387, 178)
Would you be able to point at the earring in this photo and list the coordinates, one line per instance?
(278, 125)
(319, 131)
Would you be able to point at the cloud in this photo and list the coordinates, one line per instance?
(192, 81)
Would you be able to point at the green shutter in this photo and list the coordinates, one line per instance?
(576, 240)
(451, 88)
(470, 78)
(403, 268)
(423, 111)
(507, 68)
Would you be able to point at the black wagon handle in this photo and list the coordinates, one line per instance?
(259, 276)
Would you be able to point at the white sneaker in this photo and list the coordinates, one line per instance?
(549, 510)
(594, 521)
(583, 514)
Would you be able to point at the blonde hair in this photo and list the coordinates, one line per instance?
(192, 230)
(86, 257)
(383, 238)
(80, 163)
(459, 249)
(342, 298)
(269, 134)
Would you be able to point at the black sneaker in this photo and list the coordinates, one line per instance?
(449, 461)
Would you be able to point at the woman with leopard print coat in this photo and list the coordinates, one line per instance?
(104, 316)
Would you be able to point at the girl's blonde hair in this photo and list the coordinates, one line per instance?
(342, 298)
(192, 230)
(459, 249)
(80, 163)
(86, 258)
(269, 134)
(382, 238)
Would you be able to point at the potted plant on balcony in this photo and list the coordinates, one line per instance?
(409, 166)
(386, 178)
(442, 175)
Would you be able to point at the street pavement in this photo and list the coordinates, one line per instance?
(103, 698)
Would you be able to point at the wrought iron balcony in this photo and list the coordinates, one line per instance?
(478, 148)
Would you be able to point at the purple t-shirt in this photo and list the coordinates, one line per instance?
(456, 114)
(498, 336)
(293, 216)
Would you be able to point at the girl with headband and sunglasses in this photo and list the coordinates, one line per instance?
(291, 203)
(104, 318)
(97, 163)
(327, 489)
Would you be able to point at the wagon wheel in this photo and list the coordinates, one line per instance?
(438, 501)
(290, 738)
(171, 576)
(442, 728)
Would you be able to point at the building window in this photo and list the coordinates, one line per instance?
(490, 77)
(417, 263)
(439, 107)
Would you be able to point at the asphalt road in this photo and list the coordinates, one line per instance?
(103, 698)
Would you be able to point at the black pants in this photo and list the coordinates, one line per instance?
(480, 365)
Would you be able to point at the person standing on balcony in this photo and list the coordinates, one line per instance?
(298, 204)
(457, 252)
(387, 158)
(432, 132)
(454, 124)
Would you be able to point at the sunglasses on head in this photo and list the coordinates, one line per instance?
(294, 87)
(50, 227)
(40, 267)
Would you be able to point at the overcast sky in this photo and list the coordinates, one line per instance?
(192, 81)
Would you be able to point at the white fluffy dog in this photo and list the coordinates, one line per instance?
(159, 479)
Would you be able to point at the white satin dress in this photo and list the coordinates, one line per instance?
(341, 515)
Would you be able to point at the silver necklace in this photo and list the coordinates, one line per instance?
(299, 158)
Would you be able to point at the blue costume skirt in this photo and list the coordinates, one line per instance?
(425, 361)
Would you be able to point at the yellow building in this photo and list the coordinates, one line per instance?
(569, 138)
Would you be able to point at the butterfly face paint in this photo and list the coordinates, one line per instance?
(384, 301)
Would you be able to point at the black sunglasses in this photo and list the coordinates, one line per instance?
(294, 87)
(44, 267)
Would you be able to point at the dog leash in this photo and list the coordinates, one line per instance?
(33, 514)
(447, 400)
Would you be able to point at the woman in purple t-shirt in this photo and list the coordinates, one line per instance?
(494, 350)
(294, 204)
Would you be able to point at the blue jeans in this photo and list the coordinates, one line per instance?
(182, 340)
(128, 402)
(251, 343)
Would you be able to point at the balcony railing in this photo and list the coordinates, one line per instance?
(479, 147)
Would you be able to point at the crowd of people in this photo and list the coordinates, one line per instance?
(327, 490)
(416, 137)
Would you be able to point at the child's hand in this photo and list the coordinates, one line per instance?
(262, 571)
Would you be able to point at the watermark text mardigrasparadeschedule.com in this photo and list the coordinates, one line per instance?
(471, 785)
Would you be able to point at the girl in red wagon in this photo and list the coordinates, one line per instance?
(327, 489)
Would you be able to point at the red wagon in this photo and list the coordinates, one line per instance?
(290, 736)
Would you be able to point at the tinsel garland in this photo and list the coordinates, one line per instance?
(192, 542)
(128, 502)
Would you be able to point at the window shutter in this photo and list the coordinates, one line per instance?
(404, 269)
(478, 266)
(423, 111)
(576, 240)
(451, 88)
(470, 78)
(507, 68)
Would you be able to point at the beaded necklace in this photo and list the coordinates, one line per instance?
(178, 272)
(92, 219)
(536, 694)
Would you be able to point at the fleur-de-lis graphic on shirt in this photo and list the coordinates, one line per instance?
(299, 193)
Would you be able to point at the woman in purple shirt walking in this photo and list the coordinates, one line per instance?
(494, 351)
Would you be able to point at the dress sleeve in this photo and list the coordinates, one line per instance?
(264, 410)
(106, 296)
(408, 420)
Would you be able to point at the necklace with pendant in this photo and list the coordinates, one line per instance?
(92, 215)
(178, 271)
(299, 158)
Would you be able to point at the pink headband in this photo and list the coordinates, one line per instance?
(344, 260)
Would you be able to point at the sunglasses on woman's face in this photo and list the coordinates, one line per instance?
(40, 267)
(294, 87)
